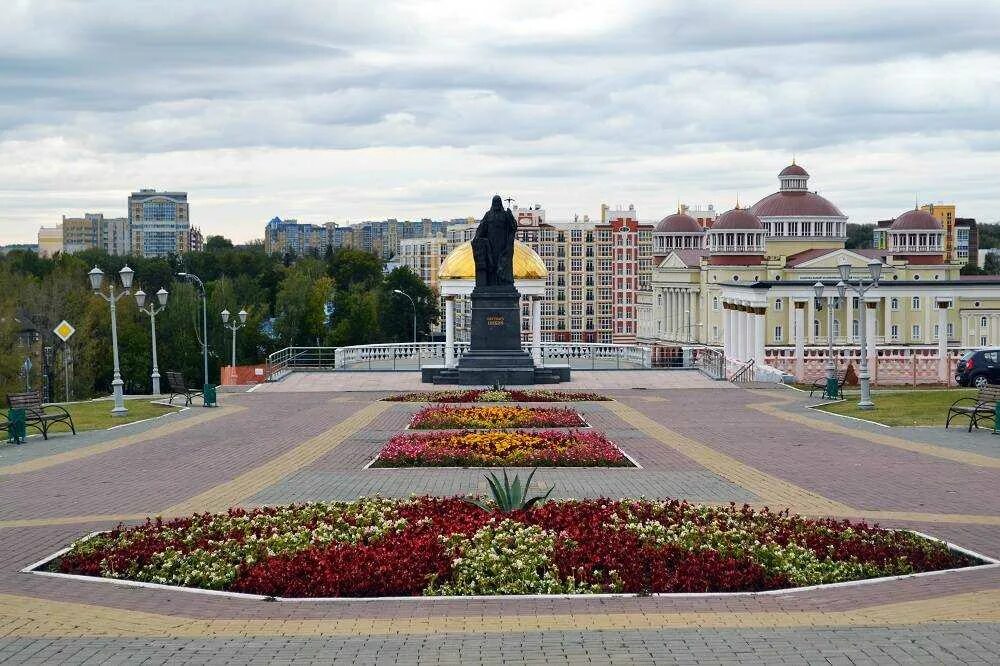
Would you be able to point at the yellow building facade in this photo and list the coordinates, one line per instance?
(748, 286)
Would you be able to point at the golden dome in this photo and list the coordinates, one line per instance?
(460, 265)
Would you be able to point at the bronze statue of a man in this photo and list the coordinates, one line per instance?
(493, 246)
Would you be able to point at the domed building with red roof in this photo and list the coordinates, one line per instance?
(750, 289)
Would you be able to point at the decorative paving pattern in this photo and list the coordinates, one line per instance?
(698, 443)
(310, 486)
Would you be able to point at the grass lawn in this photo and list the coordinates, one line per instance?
(905, 408)
(97, 415)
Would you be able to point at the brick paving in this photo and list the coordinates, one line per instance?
(701, 443)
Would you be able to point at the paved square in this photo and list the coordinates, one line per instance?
(309, 438)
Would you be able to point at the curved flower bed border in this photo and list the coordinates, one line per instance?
(503, 395)
(445, 417)
(501, 448)
(376, 547)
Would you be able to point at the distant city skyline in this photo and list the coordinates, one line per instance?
(344, 112)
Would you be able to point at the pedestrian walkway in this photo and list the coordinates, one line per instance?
(276, 445)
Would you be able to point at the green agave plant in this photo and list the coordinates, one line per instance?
(511, 496)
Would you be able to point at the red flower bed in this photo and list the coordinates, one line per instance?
(439, 417)
(427, 545)
(466, 448)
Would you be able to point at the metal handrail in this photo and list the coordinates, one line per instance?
(744, 374)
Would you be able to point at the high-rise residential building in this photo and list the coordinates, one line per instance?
(160, 223)
(424, 256)
(50, 241)
(966, 240)
(283, 236)
(196, 241)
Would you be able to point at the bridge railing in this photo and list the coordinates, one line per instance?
(414, 356)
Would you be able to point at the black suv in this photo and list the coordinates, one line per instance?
(979, 368)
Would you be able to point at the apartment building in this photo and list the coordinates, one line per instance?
(93, 230)
(160, 223)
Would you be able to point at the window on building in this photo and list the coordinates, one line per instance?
(982, 341)
(855, 303)
(915, 332)
(856, 328)
(779, 334)
(915, 303)
(715, 302)
(894, 332)
(894, 304)
(815, 326)
(778, 303)
(982, 323)
(715, 332)
(836, 328)
(951, 330)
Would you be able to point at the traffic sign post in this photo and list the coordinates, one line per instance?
(64, 331)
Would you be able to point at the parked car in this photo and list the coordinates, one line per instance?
(979, 368)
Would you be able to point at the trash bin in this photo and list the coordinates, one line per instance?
(17, 429)
(209, 395)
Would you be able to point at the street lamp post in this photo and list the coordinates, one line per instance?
(96, 276)
(875, 273)
(831, 366)
(207, 389)
(414, 304)
(235, 326)
(152, 311)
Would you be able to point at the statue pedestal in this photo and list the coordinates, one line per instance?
(495, 355)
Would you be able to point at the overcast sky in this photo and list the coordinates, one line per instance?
(348, 111)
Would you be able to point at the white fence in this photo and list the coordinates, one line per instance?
(413, 356)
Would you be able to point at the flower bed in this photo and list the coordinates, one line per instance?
(498, 448)
(503, 395)
(443, 417)
(432, 546)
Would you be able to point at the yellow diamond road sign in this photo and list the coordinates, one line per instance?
(64, 330)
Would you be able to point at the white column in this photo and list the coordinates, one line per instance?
(760, 331)
(688, 315)
(965, 332)
(887, 324)
(696, 330)
(810, 318)
(727, 331)
(741, 334)
(800, 339)
(536, 330)
(449, 332)
(943, 369)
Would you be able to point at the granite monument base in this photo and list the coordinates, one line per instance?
(495, 355)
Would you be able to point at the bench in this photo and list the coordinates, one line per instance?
(38, 416)
(177, 386)
(820, 385)
(981, 407)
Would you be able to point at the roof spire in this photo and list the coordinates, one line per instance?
(793, 158)
(737, 200)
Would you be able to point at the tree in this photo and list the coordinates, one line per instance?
(216, 243)
(301, 304)
(351, 268)
(355, 318)
(10, 361)
(395, 311)
(859, 236)
(992, 264)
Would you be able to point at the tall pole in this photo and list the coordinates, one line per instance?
(155, 376)
(863, 377)
(831, 367)
(234, 346)
(66, 367)
(204, 330)
(96, 277)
